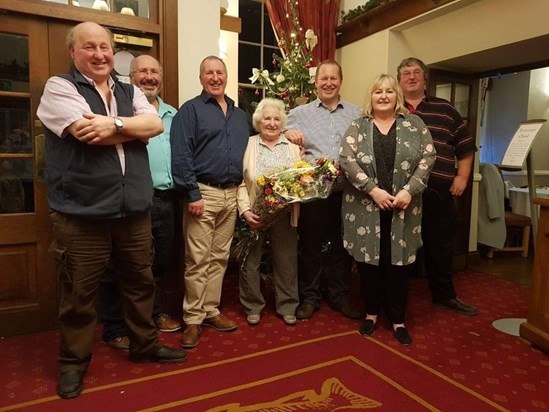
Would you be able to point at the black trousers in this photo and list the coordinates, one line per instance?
(387, 284)
(438, 233)
(328, 270)
(110, 308)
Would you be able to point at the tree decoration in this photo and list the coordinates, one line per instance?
(294, 81)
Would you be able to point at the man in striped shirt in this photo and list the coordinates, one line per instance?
(454, 146)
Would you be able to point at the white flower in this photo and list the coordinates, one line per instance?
(406, 123)
(361, 176)
(405, 165)
(280, 78)
(352, 217)
(310, 39)
(361, 231)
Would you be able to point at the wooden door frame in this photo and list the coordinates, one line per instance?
(26, 236)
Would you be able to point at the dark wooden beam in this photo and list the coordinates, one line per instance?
(383, 17)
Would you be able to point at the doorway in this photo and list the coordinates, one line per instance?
(28, 291)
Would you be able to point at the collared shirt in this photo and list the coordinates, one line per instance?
(269, 160)
(450, 137)
(207, 144)
(160, 154)
(60, 93)
(322, 128)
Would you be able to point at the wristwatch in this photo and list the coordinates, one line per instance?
(118, 123)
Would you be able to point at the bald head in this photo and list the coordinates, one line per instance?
(90, 48)
(146, 73)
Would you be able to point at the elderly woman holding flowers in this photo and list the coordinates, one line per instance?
(266, 153)
(387, 156)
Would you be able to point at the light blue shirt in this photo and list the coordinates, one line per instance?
(323, 129)
(160, 153)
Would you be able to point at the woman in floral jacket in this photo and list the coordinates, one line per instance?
(387, 156)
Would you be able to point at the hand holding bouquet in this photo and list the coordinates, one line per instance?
(302, 182)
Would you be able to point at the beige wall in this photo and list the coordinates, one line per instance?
(456, 29)
(199, 34)
(195, 42)
(460, 28)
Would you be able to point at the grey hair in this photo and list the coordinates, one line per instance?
(212, 57)
(269, 102)
(409, 61)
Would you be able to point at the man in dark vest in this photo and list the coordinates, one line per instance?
(99, 192)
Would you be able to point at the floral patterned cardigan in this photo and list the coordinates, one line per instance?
(414, 159)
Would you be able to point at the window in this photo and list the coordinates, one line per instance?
(256, 45)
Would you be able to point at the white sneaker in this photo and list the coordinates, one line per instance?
(289, 319)
(253, 319)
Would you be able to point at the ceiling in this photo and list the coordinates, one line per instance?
(524, 55)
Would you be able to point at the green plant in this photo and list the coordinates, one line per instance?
(358, 11)
(294, 81)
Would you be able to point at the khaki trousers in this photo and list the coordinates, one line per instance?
(207, 245)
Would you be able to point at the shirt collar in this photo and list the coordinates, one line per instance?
(206, 98)
(110, 81)
(164, 108)
(281, 140)
(318, 103)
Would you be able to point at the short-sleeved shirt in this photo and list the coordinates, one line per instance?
(450, 137)
(59, 92)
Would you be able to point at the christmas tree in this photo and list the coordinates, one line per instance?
(294, 81)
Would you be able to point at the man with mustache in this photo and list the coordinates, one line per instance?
(146, 73)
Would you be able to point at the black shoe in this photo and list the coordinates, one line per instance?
(458, 306)
(305, 311)
(402, 336)
(368, 328)
(70, 384)
(162, 355)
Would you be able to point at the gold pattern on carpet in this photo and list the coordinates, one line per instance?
(333, 396)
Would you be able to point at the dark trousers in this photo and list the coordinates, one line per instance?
(83, 248)
(109, 303)
(387, 283)
(320, 226)
(438, 233)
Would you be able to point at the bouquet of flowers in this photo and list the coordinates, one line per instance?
(302, 182)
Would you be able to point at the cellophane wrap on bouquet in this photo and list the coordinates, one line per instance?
(301, 182)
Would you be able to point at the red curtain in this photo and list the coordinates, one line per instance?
(319, 15)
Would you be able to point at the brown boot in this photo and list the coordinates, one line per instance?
(191, 336)
(220, 323)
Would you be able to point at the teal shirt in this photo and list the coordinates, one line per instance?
(160, 153)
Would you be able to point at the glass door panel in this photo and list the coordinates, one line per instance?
(16, 150)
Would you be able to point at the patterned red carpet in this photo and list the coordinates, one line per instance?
(456, 363)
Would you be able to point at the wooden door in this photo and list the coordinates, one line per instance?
(28, 291)
(462, 91)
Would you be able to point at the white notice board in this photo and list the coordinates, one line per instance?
(521, 143)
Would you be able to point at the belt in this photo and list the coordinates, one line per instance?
(165, 194)
(220, 185)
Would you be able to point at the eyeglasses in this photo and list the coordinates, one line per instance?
(407, 74)
(147, 72)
